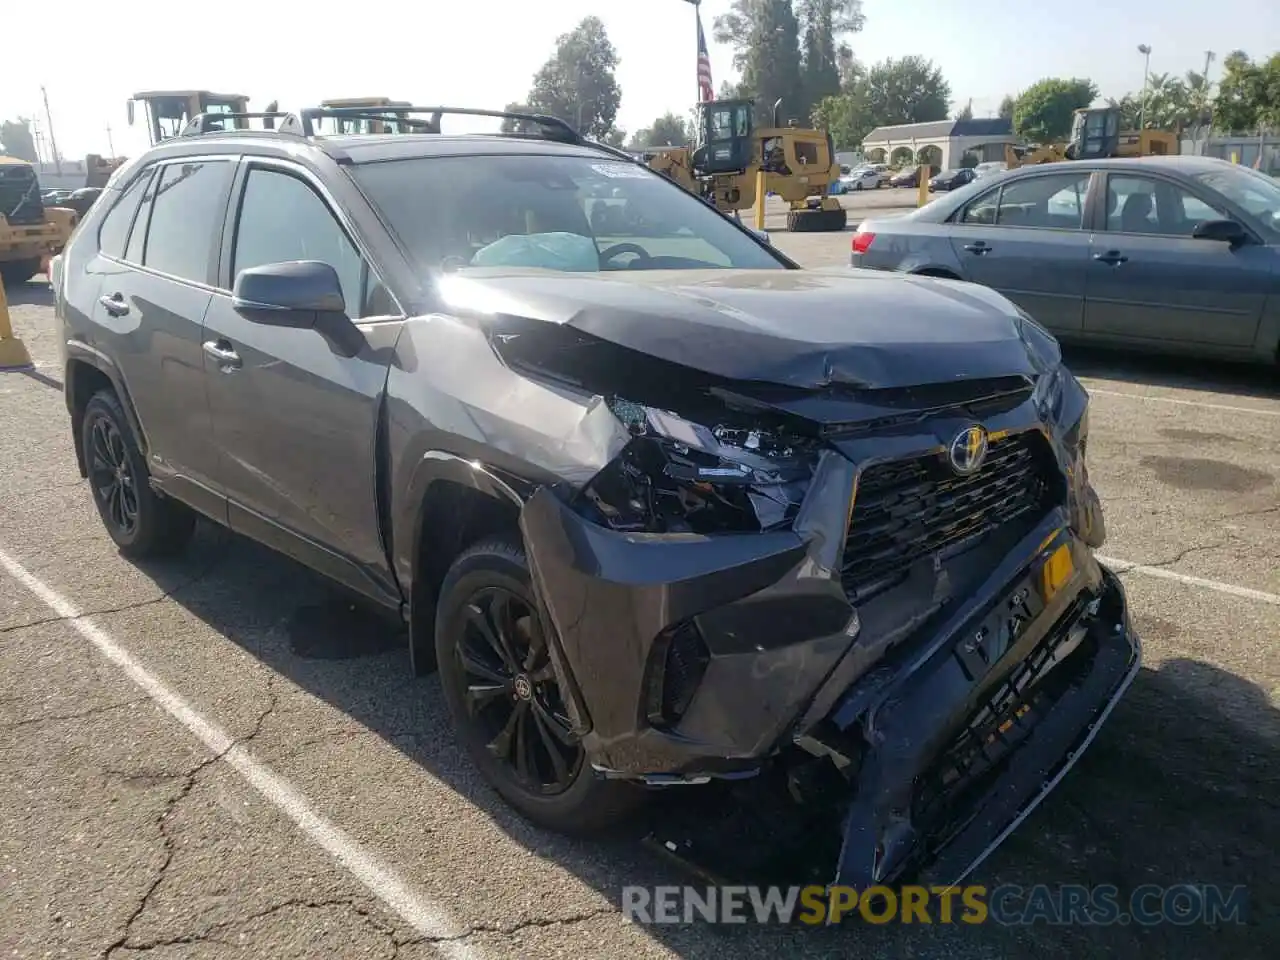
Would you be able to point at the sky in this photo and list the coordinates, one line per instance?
(483, 53)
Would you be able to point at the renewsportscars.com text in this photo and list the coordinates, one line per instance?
(1008, 905)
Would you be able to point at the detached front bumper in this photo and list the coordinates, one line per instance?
(934, 797)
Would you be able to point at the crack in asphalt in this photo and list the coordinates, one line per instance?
(170, 594)
(511, 930)
(79, 715)
(210, 934)
(1185, 552)
(1250, 513)
(189, 778)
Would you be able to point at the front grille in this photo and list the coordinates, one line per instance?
(20, 194)
(907, 510)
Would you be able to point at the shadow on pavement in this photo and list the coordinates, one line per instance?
(1182, 786)
(1193, 373)
(33, 293)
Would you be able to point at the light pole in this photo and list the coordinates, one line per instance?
(1145, 50)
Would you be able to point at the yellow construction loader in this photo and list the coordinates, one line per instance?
(383, 116)
(169, 111)
(1096, 135)
(30, 232)
(730, 152)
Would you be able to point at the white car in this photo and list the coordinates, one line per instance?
(863, 178)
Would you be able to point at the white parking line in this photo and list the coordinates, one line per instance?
(425, 917)
(1183, 403)
(1246, 593)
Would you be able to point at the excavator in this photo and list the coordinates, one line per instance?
(1096, 135)
(729, 151)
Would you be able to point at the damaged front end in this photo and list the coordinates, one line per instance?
(880, 599)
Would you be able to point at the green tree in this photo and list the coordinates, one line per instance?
(1006, 106)
(616, 137)
(765, 37)
(1043, 112)
(669, 130)
(965, 112)
(16, 139)
(823, 23)
(577, 84)
(846, 117)
(1248, 95)
(910, 90)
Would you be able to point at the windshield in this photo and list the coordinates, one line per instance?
(1255, 192)
(552, 212)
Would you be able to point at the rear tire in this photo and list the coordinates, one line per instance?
(19, 271)
(140, 521)
(505, 700)
(817, 221)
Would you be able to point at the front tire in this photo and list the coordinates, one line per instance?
(140, 521)
(505, 699)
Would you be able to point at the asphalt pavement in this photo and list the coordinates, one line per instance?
(213, 757)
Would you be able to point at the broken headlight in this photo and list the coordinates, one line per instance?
(677, 476)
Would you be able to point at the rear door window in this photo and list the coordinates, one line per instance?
(113, 235)
(186, 218)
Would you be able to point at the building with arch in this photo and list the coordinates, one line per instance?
(942, 143)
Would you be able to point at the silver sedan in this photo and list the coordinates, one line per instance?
(1177, 254)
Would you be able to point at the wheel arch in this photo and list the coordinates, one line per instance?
(933, 270)
(455, 504)
(86, 372)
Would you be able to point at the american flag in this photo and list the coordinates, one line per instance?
(705, 89)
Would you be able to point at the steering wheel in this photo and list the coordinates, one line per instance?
(618, 249)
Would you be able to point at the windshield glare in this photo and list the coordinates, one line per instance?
(1255, 192)
(582, 214)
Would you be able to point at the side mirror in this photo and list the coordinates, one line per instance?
(303, 294)
(1224, 231)
(129, 109)
(293, 293)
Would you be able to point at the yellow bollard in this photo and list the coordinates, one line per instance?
(760, 195)
(13, 352)
(922, 185)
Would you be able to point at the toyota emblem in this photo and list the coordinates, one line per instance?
(968, 450)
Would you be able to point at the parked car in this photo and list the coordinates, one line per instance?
(609, 480)
(1176, 254)
(907, 177)
(862, 178)
(989, 168)
(950, 179)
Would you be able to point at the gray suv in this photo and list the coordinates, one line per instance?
(660, 506)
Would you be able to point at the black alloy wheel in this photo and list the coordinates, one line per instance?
(503, 692)
(141, 521)
(512, 695)
(111, 475)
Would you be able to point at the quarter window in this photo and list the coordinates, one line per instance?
(1053, 202)
(281, 219)
(1157, 207)
(114, 232)
(186, 218)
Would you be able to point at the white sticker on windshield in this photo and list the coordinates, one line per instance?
(620, 171)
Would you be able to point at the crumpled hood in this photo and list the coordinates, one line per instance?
(800, 328)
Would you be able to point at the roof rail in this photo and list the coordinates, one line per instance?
(212, 123)
(551, 128)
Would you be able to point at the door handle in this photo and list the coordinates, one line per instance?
(221, 351)
(978, 246)
(1112, 257)
(114, 304)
